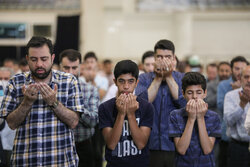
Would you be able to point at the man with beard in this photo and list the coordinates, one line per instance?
(236, 105)
(43, 106)
(237, 65)
(224, 72)
(70, 60)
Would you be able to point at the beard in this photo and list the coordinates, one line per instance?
(41, 76)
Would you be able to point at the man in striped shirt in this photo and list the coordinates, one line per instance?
(70, 60)
(43, 105)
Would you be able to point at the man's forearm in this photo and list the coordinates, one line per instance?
(153, 89)
(173, 87)
(113, 135)
(16, 117)
(139, 135)
(71, 118)
(207, 144)
(183, 143)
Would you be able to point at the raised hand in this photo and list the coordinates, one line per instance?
(30, 93)
(191, 109)
(132, 104)
(167, 66)
(202, 108)
(236, 84)
(244, 96)
(48, 94)
(121, 104)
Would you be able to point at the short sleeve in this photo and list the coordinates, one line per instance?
(215, 127)
(75, 98)
(148, 116)
(142, 87)
(105, 119)
(174, 128)
(8, 103)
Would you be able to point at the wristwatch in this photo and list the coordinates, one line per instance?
(54, 104)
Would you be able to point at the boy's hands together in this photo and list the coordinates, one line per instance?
(127, 104)
(196, 109)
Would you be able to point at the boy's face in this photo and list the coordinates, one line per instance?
(125, 83)
(194, 92)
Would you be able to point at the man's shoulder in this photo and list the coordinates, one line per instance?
(60, 75)
(211, 113)
(179, 112)
(225, 82)
(178, 74)
(110, 102)
(147, 75)
(233, 93)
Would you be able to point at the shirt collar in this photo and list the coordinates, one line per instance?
(30, 80)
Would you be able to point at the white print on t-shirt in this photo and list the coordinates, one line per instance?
(127, 147)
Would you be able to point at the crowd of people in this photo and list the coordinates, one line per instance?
(165, 113)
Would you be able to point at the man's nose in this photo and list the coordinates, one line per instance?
(194, 96)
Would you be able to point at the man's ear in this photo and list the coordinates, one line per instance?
(52, 58)
(115, 81)
(205, 94)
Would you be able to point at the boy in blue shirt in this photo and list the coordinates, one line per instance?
(194, 128)
(126, 121)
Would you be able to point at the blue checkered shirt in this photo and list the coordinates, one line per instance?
(194, 155)
(43, 139)
(89, 118)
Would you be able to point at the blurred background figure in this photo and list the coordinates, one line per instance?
(148, 61)
(195, 64)
(237, 64)
(6, 134)
(6, 73)
(91, 76)
(23, 65)
(70, 60)
(211, 72)
(55, 66)
(106, 71)
(12, 64)
(236, 105)
(224, 72)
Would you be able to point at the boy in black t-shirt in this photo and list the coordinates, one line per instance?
(126, 121)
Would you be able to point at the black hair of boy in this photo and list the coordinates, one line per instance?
(126, 67)
(193, 78)
(164, 44)
(71, 54)
(37, 42)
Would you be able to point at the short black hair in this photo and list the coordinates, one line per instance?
(90, 55)
(193, 78)
(239, 59)
(147, 55)
(37, 42)
(23, 62)
(165, 45)
(106, 61)
(71, 54)
(126, 67)
(212, 65)
(223, 63)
